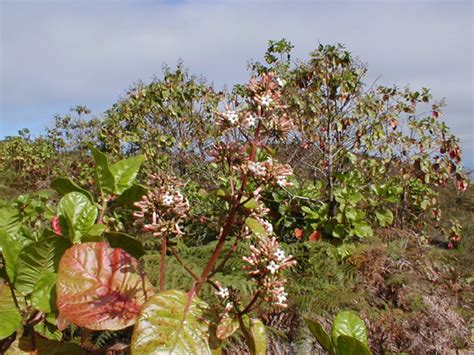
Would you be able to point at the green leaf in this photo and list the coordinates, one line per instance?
(339, 230)
(354, 198)
(94, 234)
(349, 323)
(320, 334)
(347, 345)
(65, 186)
(255, 226)
(10, 247)
(350, 214)
(251, 204)
(77, 215)
(9, 315)
(255, 335)
(37, 258)
(363, 230)
(42, 297)
(226, 327)
(385, 217)
(259, 335)
(168, 325)
(125, 171)
(49, 331)
(100, 288)
(10, 219)
(105, 179)
(121, 240)
(131, 195)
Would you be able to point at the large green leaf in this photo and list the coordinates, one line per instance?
(104, 176)
(121, 240)
(10, 318)
(77, 215)
(255, 335)
(320, 334)
(43, 292)
(10, 247)
(168, 325)
(259, 336)
(10, 219)
(349, 323)
(37, 258)
(100, 288)
(65, 185)
(347, 345)
(131, 195)
(116, 178)
(125, 171)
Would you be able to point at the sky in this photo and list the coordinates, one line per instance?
(58, 54)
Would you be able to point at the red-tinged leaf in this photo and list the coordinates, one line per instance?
(315, 236)
(298, 233)
(62, 323)
(100, 288)
(435, 114)
(55, 225)
(462, 186)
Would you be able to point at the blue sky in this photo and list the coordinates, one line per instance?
(56, 54)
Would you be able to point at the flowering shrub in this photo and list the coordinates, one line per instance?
(304, 150)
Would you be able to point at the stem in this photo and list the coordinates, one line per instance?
(164, 241)
(189, 270)
(227, 257)
(102, 210)
(10, 286)
(252, 302)
(183, 264)
(228, 225)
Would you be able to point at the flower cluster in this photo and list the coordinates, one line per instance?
(266, 91)
(232, 152)
(265, 264)
(263, 105)
(163, 207)
(270, 171)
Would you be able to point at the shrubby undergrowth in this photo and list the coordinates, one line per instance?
(187, 220)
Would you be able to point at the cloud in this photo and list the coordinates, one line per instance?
(58, 54)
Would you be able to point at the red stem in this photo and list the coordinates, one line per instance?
(227, 227)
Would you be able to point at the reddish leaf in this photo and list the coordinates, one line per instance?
(461, 184)
(298, 233)
(55, 225)
(100, 288)
(315, 236)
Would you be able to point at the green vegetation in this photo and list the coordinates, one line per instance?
(190, 220)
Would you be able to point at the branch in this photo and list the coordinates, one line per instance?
(252, 302)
